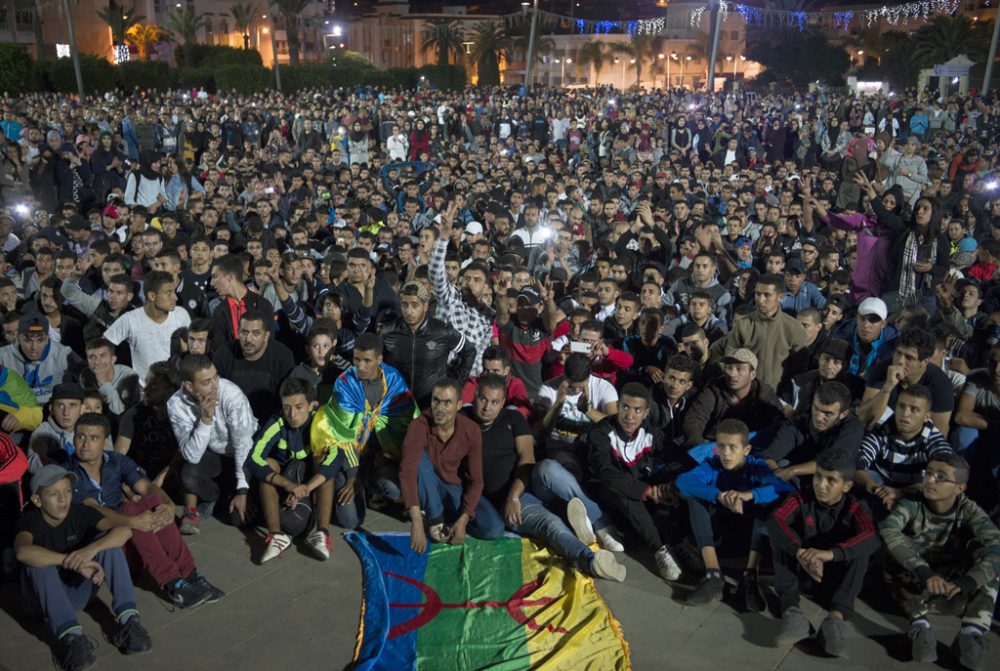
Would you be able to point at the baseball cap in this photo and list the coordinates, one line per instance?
(48, 476)
(873, 306)
(742, 355)
(474, 228)
(530, 296)
(33, 323)
(743, 241)
(77, 223)
(70, 390)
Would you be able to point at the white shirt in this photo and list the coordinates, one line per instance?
(149, 341)
(230, 433)
(601, 394)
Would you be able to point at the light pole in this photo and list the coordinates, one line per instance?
(660, 57)
(73, 50)
(673, 57)
(714, 51)
(992, 56)
(274, 52)
(631, 62)
(531, 42)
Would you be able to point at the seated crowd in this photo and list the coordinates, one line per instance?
(652, 333)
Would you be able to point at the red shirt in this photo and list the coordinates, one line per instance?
(459, 461)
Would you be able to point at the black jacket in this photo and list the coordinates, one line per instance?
(423, 357)
(798, 441)
(223, 325)
(710, 406)
(619, 463)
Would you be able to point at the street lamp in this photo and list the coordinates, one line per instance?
(673, 57)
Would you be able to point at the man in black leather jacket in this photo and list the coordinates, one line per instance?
(424, 349)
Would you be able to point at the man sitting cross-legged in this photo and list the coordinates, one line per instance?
(514, 483)
(825, 534)
(156, 543)
(945, 547)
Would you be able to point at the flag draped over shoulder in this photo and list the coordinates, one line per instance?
(506, 604)
(16, 398)
(348, 421)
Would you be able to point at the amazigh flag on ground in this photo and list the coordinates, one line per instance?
(501, 605)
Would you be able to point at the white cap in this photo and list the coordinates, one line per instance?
(873, 306)
(474, 228)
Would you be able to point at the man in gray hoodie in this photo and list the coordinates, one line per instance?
(42, 363)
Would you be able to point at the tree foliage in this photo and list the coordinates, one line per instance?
(795, 57)
(489, 46)
(243, 15)
(443, 36)
(946, 37)
(119, 20)
(143, 36)
(289, 11)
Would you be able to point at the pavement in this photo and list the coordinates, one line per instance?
(297, 612)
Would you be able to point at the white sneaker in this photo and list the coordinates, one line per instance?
(320, 543)
(665, 564)
(606, 539)
(576, 513)
(606, 566)
(275, 545)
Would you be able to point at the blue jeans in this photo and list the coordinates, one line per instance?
(553, 485)
(440, 499)
(384, 478)
(57, 593)
(539, 522)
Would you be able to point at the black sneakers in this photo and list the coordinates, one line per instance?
(709, 591)
(78, 653)
(132, 638)
(185, 594)
(751, 593)
(212, 593)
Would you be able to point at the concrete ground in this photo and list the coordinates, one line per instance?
(296, 612)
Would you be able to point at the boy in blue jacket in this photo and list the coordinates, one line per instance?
(729, 492)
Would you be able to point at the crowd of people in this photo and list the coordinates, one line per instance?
(752, 328)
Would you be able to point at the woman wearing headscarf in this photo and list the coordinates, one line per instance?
(108, 165)
(145, 186)
(918, 254)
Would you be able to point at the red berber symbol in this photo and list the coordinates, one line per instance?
(432, 606)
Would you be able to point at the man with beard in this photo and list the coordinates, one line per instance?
(527, 494)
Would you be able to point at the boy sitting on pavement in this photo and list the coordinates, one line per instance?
(156, 543)
(716, 491)
(944, 546)
(828, 535)
(280, 459)
(66, 563)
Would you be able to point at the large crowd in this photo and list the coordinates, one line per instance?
(752, 328)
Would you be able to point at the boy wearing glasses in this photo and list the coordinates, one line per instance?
(946, 549)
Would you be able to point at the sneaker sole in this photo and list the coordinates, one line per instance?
(607, 567)
(576, 513)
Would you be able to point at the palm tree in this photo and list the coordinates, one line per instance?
(143, 36)
(489, 47)
(596, 55)
(948, 36)
(243, 16)
(186, 23)
(119, 20)
(641, 48)
(290, 10)
(444, 36)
